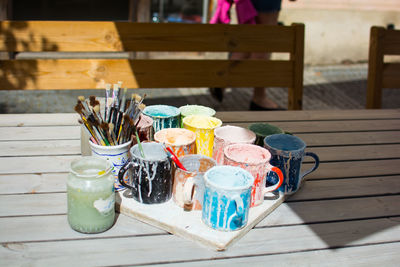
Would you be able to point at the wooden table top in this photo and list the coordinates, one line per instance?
(346, 213)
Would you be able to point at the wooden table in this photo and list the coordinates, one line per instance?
(347, 213)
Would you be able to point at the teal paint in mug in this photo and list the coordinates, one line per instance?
(163, 116)
(227, 195)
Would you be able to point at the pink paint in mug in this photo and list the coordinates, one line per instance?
(254, 159)
(227, 135)
(182, 141)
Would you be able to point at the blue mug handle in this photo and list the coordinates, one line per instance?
(316, 164)
(238, 216)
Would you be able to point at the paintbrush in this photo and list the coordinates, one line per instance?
(174, 157)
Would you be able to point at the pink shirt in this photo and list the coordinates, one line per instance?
(245, 11)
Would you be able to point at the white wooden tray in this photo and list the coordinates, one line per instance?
(187, 224)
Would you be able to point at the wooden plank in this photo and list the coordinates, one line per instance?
(92, 73)
(358, 138)
(339, 188)
(86, 36)
(33, 183)
(169, 248)
(362, 152)
(307, 115)
(329, 170)
(40, 133)
(67, 119)
(33, 204)
(40, 148)
(374, 255)
(39, 119)
(293, 213)
(297, 127)
(391, 43)
(295, 91)
(56, 227)
(391, 75)
(43, 164)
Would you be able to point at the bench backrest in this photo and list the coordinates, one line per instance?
(380, 74)
(84, 73)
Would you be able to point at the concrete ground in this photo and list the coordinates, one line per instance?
(325, 87)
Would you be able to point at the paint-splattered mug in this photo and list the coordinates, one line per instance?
(226, 135)
(163, 116)
(254, 159)
(151, 175)
(288, 152)
(116, 155)
(181, 141)
(188, 110)
(188, 188)
(263, 130)
(227, 196)
(203, 127)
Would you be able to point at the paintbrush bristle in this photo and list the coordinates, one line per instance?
(142, 106)
(92, 100)
(81, 98)
(96, 108)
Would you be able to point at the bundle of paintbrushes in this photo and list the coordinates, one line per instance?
(119, 120)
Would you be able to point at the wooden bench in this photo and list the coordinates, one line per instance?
(84, 73)
(382, 74)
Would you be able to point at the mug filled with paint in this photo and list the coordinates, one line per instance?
(117, 155)
(288, 152)
(263, 130)
(144, 129)
(226, 135)
(182, 141)
(163, 116)
(195, 110)
(90, 195)
(255, 160)
(150, 176)
(188, 188)
(227, 197)
(203, 127)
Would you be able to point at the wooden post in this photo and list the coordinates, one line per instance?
(295, 93)
(375, 68)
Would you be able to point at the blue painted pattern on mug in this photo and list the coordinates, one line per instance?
(227, 195)
(290, 166)
(219, 210)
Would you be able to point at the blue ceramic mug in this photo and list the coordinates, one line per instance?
(227, 196)
(288, 152)
(163, 116)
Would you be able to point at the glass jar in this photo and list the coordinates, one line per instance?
(91, 196)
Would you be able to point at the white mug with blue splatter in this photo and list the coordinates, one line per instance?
(163, 116)
(116, 155)
(227, 194)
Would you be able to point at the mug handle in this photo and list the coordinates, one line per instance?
(188, 191)
(278, 184)
(122, 171)
(239, 205)
(316, 159)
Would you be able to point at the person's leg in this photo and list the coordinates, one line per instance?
(260, 97)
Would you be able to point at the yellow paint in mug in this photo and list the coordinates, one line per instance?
(203, 127)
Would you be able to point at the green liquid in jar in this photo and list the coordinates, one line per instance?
(91, 197)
